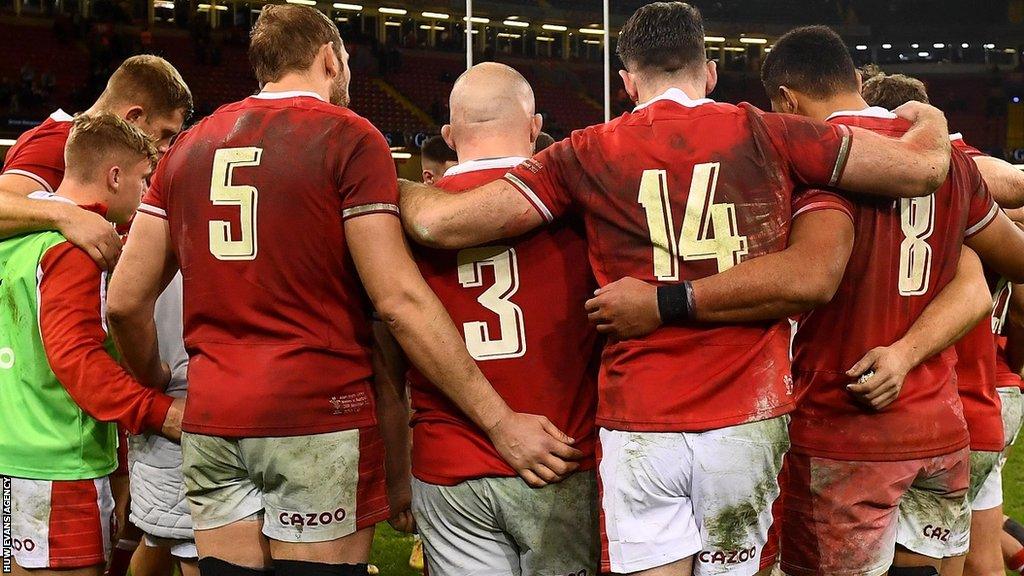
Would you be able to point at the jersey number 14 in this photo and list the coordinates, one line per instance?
(709, 230)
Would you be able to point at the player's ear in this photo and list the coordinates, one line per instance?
(332, 67)
(114, 178)
(630, 85)
(134, 114)
(712, 80)
(789, 100)
(536, 126)
(428, 177)
(446, 133)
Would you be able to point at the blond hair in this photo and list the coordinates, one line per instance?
(98, 139)
(151, 82)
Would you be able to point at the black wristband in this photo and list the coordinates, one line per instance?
(676, 303)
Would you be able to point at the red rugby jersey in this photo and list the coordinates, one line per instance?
(276, 321)
(519, 305)
(904, 253)
(39, 153)
(680, 190)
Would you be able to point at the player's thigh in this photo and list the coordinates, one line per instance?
(1012, 402)
(839, 517)
(647, 515)
(555, 527)
(319, 489)
(934, 515)
(461, 531)
(735, 483)
(241, 543)
(983, 465)
(985, 556)
(61, 524)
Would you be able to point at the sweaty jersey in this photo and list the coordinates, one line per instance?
(519, 305)
(39, 153)
(904, 253)
(276, 320)
(682, 189)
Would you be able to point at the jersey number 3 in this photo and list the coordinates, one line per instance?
(696, 242)
(223, 244)
(512, 341)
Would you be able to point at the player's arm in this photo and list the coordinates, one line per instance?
(957, 309)
(914, 165)
(71, 325)
(435, 218)
(87, 230)
(792, 281)
(1014, 329)
(1000, 245)
(1005, 182)
(389, 367)
(147, 267)
(531, 444)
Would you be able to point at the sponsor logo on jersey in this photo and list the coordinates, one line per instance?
(532, 165)
(311, 519)
(727, 556)
(349, 403)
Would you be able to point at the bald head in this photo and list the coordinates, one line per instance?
(491, 101)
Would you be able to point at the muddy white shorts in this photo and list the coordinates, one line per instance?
(502, 527)
(61, 524)
(180, 549)
(987, 477)
(670, 495)
(312, 488)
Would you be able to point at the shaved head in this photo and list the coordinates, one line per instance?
(491, 101)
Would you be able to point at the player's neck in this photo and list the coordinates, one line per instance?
(822, 109)
(81, 193)
(297, 82)
(494, 148)
(648, 92)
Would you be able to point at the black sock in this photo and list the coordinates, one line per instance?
(1013, 528)
(299, 568)
(913, 571)
(210, 566)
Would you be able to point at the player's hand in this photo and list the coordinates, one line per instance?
(880, 372)
(624, 309)
(400, 502)
(914, 111)
(535, 448)
(172, 422)
(92, 233)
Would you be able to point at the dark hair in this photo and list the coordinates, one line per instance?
(435, 149)
(663, 38)
(543, 141)
(813, 60)
(286, 38)
(893, 91)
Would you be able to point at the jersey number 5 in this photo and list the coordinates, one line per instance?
(223, 193)
(512, 342)
(696, 242)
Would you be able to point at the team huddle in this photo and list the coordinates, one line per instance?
(697, 339)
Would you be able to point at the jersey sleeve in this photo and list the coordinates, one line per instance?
(981, 208)
(548, 179)
(957, 141)
(814, 200)
(40, 158)
(73, 329)
(368, 182)
(815, 152)
(153, 202)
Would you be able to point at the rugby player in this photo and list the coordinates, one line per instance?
(148, 92)
(280, 210)
(62, 394)
(692, 417)
(988, 388)
(519, 303)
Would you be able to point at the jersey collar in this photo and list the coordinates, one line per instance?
(676, 95)
(287, 94)
(98, 208)
(869, 112)
(484, 164)
(61, 116)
